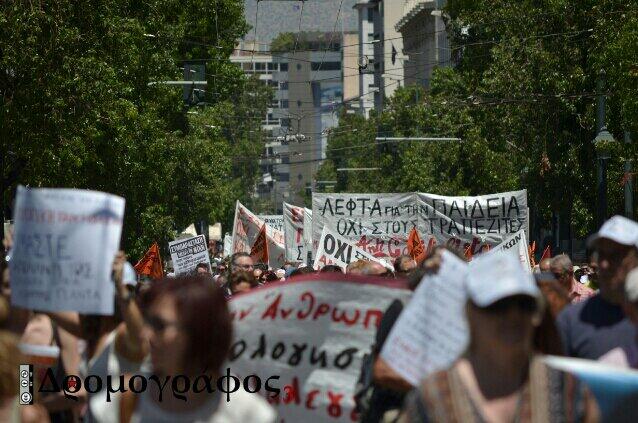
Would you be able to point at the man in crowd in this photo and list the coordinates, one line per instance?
(562, 268)
(545, 265)
(404, 265)
(627, 355)
(241, 262)
(597, 325)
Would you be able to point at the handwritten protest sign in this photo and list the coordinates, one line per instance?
(516, 244)
(431, 332)
(334, 249)
(294, 233)
(187, 253)
(275, 221)
(380, 223)
(307, 231)
(313, 333)
(246, 227)
(64, 244)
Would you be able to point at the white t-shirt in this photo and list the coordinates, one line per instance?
(242, 407)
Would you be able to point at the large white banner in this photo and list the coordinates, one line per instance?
(294, 224)
(275, 221)
(312, 333)
(65, 241)
(431, 332)
(246, 227)
(381, 223)
(334, 249)
(228, 245)
(186, 254)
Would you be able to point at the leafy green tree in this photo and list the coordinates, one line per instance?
(78, 109)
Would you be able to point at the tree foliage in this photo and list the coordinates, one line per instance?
(522, 97)
(78, 110)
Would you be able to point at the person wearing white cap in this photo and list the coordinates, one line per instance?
(499, 379)
(627, 355)
(591, 328)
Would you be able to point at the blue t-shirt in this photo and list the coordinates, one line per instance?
(593, 327)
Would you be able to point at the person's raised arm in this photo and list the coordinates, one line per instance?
(129, 341)
(67, 320)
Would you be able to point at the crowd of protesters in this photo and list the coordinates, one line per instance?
(514, 318)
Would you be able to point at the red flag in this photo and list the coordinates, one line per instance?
(547, 253)
(531, 249)
(468, 252)
(259, 250)
(415, 246)
(151, 263)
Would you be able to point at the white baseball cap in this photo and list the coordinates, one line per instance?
(618, 229)
(497, 276)
(631, 286)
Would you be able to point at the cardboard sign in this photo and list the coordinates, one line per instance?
(275, 221)
(337, 250)
(431, 332)
(64, 244)
(380, 223)
(187, 253)
(246, 228)
(313, 333)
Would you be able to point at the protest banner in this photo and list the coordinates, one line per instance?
(312, 332)
(246, 227)
(516, 244)
(187, 253)
(259, 250)
(294, 233)
(431, 332)
(307, 233)
(334, 249)
(380, 223)
(64, 244)
(275, 221)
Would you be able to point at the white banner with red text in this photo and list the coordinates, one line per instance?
(246, 227)
(313, 333)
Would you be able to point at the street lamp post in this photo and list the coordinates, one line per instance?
(602, 143)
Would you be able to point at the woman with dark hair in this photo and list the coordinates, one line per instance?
(241, 281)
(189, 331)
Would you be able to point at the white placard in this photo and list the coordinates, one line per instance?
(334, 249)
(294, 233)
(275, 221)
(516, 244)
(431, 332)
(312, 333)
(187, 253)
(228, 245)
(65, 241)
(246, 227)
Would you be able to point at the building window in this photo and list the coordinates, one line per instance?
(326, 66)
(283, 67)
(298, 66)
(370, 14)
(272, 66)
(260, 67)
(283, 86)
(285, 122)
(283, 104)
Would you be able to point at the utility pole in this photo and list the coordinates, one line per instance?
(602, 158)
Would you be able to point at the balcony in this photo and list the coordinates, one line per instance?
(411, 8)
